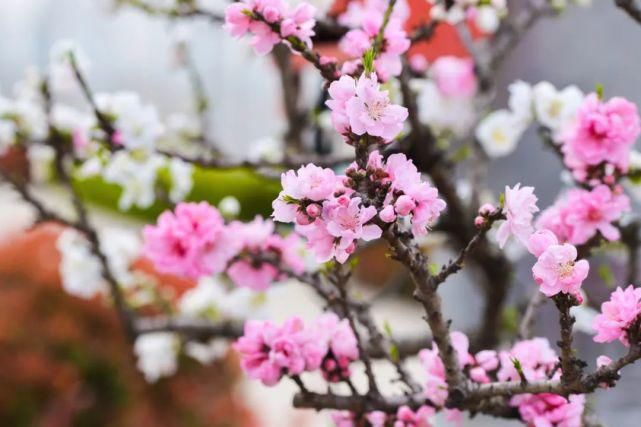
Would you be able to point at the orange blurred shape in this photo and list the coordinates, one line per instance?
(444, 41)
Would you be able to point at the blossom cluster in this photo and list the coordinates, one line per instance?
(486, 15)
(360, 107)
(268, 351)
(270, 22)
(194, 241)
(333, 218)
(618, 315)
(395, 42)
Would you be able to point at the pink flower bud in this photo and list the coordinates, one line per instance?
(302, 218)
(479, 221)
(313, 210)
(404, 205)
(116, 138)
(487, 209)
(387, 214)
(540, 240)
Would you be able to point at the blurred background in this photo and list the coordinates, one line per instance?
(61, 356)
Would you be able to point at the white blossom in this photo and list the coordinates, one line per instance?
(487, 19)
(137, 178)
(61, 74)
(499, 133)
(138, 124)
(442, 113)
(181, 174)
(40, 158)
(229, 207)
(157, 355)
(7, 135)
(266, 149)
(553, 108)
(207, 352)
(520, 101)
(121, 247)
(80, 270)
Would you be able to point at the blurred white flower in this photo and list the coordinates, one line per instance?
(157, 355)
(553, 108)
(80, 271)
(122, 248)
(60, 71)
(229, 207)
(181, 174)
(499, 133)
(208, 352)
(443, 113)
(203, 298)
(584, 318)
(138, 124)
(7, 135)
(487, 19)
(137, 178)
(40, 158)
(266, 149)
(520, 101)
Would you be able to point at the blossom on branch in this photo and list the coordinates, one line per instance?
(618, 315)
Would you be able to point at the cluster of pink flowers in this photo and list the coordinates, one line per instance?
(548, 410)
(268, 352)
(257, 238)
(454, 77)
(270, 21)
(479, 366)
(395, 42)
(603, 133)
(556, 269)
(578, 216)
(405, 193)
(519, 208)
(538, 361)
(404, 417)
(194, 241)
(360, 107)
(618, 315)
(327, 213)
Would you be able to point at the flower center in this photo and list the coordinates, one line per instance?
(565, 270)
(554, 110)
(376, 109)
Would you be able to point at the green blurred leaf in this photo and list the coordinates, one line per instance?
(606, 274)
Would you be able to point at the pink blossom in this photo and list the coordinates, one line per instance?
(237, 22)
(454, 76)
(549, 410)
(309, 184)
(192, 242)
(343, 419)
(603, 131)
(395, 42)
(578, 216)
(617, 315)
(257, 239)
(587, 212)
(436, 386)
(536, 357)
(483, 362)
(300, 23)
(540, 240)
(557, 270)
(413, 194)
(346, 220)
(405, 417)
(268, 352)
(340, 345)
(368, 110)
(376, 418)
(520, 205)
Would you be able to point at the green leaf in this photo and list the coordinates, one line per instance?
(394, 353)
(606, 274)
(599, 90)
(433, 268)
(462, 153)
(501, 200)
(387, 329)
(368, 61)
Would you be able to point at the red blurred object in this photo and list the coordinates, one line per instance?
(445, 40)
(65, 361)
